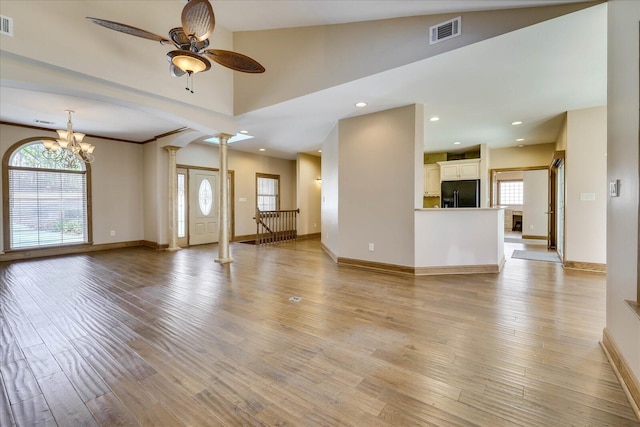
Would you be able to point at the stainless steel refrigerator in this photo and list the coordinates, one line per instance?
(460, 194)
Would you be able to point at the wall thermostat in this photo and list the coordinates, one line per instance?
(614, 188)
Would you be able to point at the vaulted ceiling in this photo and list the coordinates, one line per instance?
(533, 75)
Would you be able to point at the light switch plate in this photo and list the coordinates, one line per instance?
(614, 188)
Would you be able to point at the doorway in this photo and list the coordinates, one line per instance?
(523, 193)
(203, 206)
(198, 207)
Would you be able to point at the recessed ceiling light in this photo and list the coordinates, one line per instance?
(457, 143)
(361, 104)
(244, 131)
(520, 139)
(434, 119)
(516, 123)
(262, 149)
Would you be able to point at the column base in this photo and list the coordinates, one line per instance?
(177, 248)
(224, 260)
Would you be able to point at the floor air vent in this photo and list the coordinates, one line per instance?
(445, 31)
(6, 25)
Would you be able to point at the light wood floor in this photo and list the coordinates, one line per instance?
(135, 336)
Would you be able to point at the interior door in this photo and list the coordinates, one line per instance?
(203, 206)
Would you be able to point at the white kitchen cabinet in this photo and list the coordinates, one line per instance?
(455, 170)
(431, 180)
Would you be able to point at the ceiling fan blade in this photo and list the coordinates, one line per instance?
(235, 61)
(198, 19)
(128, 29)
(175, 71)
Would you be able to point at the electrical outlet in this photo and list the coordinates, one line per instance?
(113, 233)
(371, 247)
(531, 227)
(315, 225)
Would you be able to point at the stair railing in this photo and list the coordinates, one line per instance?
(276, 226)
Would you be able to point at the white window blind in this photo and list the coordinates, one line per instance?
(267, 193)
(511, 193)
(47, 206)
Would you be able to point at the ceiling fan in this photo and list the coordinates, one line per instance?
(191, 41)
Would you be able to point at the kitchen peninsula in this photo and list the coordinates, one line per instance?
(462, 240)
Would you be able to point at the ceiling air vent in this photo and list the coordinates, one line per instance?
(445, 31)
(6, 25)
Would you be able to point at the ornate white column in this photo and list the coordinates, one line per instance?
(223, 194)
(173, 195)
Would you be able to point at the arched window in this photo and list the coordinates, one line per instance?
(47, 199)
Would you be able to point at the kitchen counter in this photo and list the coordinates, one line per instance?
(459, 240)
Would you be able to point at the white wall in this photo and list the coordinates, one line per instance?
(459, 237)
(309, 59)
(309, 190)
(586, 186)
(622, 162)
(378, 164)
(536, 203)
(116, 184)
(152, 200)
(330, 191)
(561, 142)
(516, 157)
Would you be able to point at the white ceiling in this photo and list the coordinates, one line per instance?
(534, 75)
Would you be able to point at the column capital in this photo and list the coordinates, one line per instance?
(171, 148)
(225, 136)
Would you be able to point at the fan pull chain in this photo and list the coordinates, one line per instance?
(189, 78)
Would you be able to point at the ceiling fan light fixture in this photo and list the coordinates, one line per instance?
(188, 62)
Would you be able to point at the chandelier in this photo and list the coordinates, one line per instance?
(68, 149)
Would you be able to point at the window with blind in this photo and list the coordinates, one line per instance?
(47, 200)
(267, 192)
(510, 192)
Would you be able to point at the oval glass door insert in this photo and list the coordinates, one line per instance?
(205, 197)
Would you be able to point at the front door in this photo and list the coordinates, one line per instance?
(203, 206)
